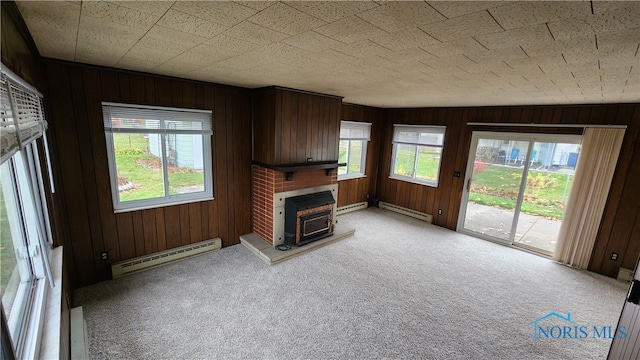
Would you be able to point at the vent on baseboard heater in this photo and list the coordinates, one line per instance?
(147, 262)
(350, 208)
(404, 211)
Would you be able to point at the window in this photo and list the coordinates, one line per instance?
(16, 275)
(417, 151)
(25, 235)
(157, 156)
(353, 149)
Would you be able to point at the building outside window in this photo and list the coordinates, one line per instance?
(157, 156)
(353, 149)
(417, 152)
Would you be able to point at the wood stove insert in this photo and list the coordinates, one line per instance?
(308, 218)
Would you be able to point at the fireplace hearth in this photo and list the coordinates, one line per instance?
(308, 218)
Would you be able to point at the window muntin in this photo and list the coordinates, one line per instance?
(417, 153)
(157, 156)
(353, 149)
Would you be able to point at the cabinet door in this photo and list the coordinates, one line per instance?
(307, 127)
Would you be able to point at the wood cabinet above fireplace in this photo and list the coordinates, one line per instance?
(295, 127)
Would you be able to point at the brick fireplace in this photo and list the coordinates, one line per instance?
(271, 188)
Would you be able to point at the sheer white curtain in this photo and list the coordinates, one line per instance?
(594, 172)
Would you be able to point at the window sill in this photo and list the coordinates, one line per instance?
(154, 206)
(414, 181)
(351, 176)
(50, 344)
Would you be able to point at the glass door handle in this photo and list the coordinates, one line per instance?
(469, 184)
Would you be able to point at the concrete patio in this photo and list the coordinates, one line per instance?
(532, 231)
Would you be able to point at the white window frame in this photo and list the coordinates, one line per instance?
(24, 279)
(22, 123)
(37, 248)
(432, 129)
(160, 114)
(366, 129)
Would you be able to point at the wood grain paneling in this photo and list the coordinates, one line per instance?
(618, 230)
(291, 126)
(353, 191)
(69, 178)
(150, 231)
(263, 111)
(76, 92)
(19, 52)
(284, 117)
(161, 229)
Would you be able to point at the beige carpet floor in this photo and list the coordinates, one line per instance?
(399, 288)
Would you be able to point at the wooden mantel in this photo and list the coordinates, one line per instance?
(291, 169)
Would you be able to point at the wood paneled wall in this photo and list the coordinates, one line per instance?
(74, 94)
(292, 126)
(620, 226)
(19, 52)
(363, 189)
(424, 198)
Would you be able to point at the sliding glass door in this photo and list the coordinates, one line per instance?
(549, 180)
(516, 187)
(493, 188)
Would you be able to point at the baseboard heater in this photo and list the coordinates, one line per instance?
(147, 262)
(349, 208)
(625, 275)
(404, 211)
(79, 337)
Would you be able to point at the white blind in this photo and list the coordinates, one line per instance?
(21, 116)
(351, 130)
(420, 135)
(152, 119)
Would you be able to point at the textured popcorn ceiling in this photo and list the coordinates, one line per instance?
(386, 54)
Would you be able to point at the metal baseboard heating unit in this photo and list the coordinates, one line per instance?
(349, 208)
(625, 275)
(404, 211)
(79, 337)
(147, 262)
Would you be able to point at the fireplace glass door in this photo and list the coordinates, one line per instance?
(315, 223)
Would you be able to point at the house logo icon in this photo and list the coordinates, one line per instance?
(537, 328)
